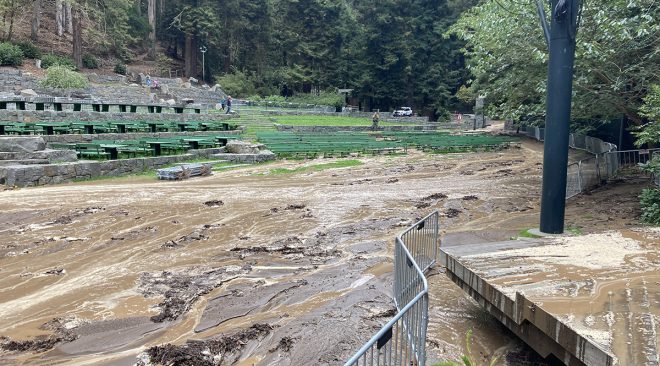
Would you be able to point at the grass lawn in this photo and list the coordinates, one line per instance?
(326, 121)
(318, 167)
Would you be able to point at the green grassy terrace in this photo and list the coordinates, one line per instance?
(327, 121)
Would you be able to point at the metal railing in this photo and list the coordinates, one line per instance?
(402, 341)
(618, 160)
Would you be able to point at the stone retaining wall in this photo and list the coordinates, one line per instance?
(111, 89)
(42, 174)
(12, 80)
(69, 116)
(246, 158)
(67, 139)
(107, 79)
(325, 129)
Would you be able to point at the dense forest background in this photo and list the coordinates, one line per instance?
(436, 56)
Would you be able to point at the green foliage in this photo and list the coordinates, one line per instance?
(508, 57)
(237, 83)
(10, 55)
(30, 50)
(649, 133)
(62, 77)
(650, 202)
(467, 359)
(138, 25)
(526, 234)
(115, 27)
(330, 98)
(90, 61)
(50, 60)
(322, 121)
(120, 68)
(652, 166)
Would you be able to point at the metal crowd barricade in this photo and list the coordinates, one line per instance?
(402, 341)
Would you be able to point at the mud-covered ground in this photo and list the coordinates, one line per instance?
(246, 267)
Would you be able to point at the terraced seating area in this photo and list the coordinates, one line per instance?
(447, 142)
(118, 149)
(292, 144)
(78, 127)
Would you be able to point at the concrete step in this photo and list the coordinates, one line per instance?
(47, 154)
(24, 162)
(5, 155)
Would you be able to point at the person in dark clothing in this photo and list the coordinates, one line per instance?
(374, 121)
(228, 104)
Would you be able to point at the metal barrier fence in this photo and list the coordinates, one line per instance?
(618, 160)
(586, 173)
(583, 175)
(402, 341)
(605, 163)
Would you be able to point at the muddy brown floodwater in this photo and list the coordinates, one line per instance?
(250, 268)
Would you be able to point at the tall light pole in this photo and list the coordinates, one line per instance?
(561, 35)
(203, 49)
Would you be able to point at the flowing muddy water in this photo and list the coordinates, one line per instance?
(252, 267)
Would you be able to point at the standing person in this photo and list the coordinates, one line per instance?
(374, 121)
(222, 104)
(228, 104)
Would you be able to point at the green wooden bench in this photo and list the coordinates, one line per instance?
(91, 151)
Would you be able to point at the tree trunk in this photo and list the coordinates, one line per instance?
(12, 14)
(138, 7)
(59, 17)
(77, 37)
(36, 20)
(190, 59)
(151, 14)
(69, 18)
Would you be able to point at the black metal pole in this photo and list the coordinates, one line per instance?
(558, 113)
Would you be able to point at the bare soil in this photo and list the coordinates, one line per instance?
(249, 268)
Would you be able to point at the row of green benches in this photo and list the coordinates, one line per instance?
(314, 144)
(287, 144)
(50, 128)
(117, 149)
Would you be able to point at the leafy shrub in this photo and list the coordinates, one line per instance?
(124, 54)
(275, 98)
(138, 25)
(237, 83)
(90, 62)
(649, 133)
(10, 55)
(30, 50)
(650, 202)
(330, 98)
(63, 77)
(50, 60)
(120, 68)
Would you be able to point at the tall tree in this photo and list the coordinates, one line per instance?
(151, 14)
(59, 17)
(617, 57)
(77, 35)
(10, 10)
(36, 20)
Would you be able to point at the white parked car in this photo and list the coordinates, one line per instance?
(403, 112)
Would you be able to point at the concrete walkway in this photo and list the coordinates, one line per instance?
(587, 300)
